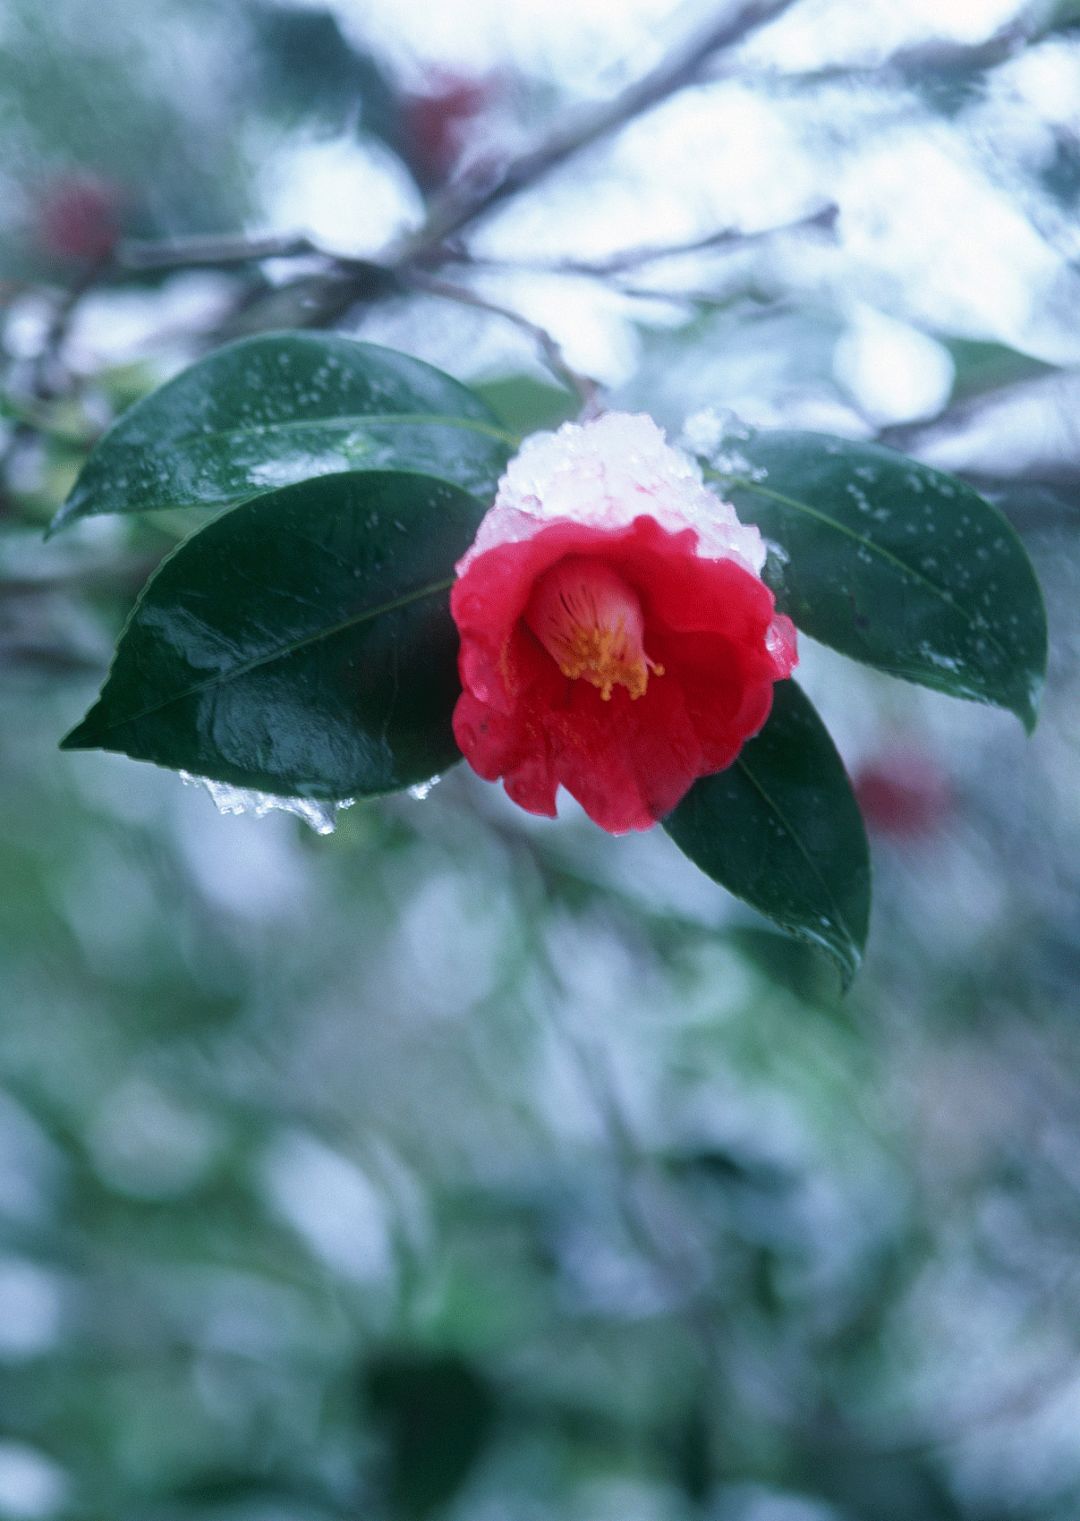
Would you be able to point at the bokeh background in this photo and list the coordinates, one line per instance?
(465, 1164)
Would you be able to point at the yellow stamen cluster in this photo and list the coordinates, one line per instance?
(590, 622)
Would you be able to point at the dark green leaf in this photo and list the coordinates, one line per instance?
(285, 407)
(982, 367)
(299, 644)
(437, 1412)
(896, 565)
(691, 1450)
(781, 830)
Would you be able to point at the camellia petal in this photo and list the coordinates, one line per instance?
(616, 637)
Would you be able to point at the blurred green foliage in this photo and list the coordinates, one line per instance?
(464, 1165)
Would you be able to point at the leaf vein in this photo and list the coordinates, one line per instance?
(796, 839)
(283, 651)
(346, 422)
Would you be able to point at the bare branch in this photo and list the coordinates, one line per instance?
(727, 237)
(355, 281)
(465, 205)
(188, 253)
(633, 258)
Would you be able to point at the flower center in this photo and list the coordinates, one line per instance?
(590, 622)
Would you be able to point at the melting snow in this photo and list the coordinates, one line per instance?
(320, 816)
(423, 790)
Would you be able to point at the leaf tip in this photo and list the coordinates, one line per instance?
(60, 518)
(1027, 708)
(85, 736)
(848, 966)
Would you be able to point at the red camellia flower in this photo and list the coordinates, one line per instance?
(616, 636)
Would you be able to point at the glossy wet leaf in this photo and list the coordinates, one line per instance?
(895, 564)
(781, 829)
(284, 407)
(299, 644)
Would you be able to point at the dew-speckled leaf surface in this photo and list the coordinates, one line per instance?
(299, 644)
(894, 564)
(781, 829)
(285, 407)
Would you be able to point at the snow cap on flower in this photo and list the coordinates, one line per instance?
(616, 636)
(606, 473)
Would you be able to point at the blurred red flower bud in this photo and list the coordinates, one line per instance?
(437, 123)
(79, 218)
(902, 793)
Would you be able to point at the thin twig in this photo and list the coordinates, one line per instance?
(924, 61)
(633, 258)
(584, 386)
(42, 385)
(189, 253)
(708, 298)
